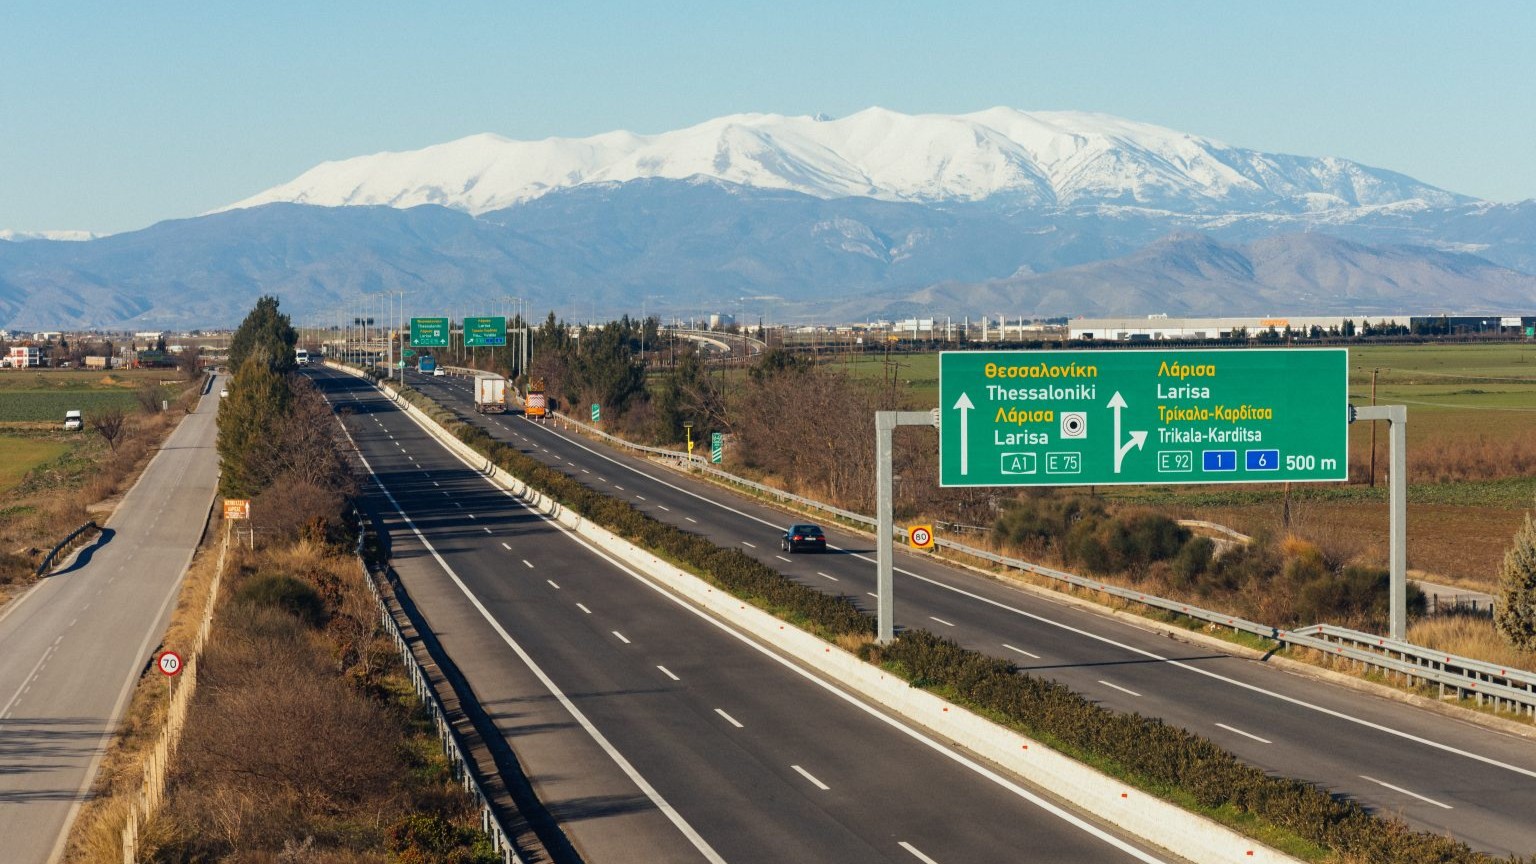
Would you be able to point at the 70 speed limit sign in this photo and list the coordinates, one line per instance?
(920, 536)
(169, 663)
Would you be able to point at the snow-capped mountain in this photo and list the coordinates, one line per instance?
(14, 236)
(1034, 159)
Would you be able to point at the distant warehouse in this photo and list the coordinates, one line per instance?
(1154, 328)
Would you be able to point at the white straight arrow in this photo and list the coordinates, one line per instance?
(1137, 439)
(964, 406)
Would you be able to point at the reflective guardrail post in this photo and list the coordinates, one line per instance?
(886, 423)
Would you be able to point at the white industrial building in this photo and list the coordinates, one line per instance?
(1159, 327)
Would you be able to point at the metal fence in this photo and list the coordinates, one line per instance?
(47, 563)
(1488, 684)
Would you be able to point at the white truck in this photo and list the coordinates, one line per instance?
(490, 394)
(73, 422)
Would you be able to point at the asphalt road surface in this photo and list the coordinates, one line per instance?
(652, 732)
(75, 644)
(1440, 773)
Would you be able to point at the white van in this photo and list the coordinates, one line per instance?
(73, 422)
(301, 357)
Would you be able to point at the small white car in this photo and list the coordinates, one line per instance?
(73, 421)
(224, 393)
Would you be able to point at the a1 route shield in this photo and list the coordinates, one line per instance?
(429, 332)
(1079, 418)
(485, 332)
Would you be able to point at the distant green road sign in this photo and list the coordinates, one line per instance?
(407, 353)
(485, 332)
(716, 447)
(429, 332)
(1079, 418)
(597, 412)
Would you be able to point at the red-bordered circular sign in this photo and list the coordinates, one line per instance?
(169, 663)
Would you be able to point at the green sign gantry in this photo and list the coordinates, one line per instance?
(1104, 418)
(489, 332)
(429, 332)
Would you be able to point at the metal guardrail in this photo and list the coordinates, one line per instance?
(1508, 689)
(490, 823)
(47, 562)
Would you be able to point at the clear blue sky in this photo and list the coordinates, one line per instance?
(117, 115)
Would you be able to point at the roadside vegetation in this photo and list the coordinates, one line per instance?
(304, 741)
(55, 480)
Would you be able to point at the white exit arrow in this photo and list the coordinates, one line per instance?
(1137, 438)
(964, 406)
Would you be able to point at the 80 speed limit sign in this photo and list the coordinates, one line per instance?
(920, 536)
(169, 663)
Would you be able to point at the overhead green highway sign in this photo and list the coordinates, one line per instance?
(1079, 418)
(429, 332)
(485, 332)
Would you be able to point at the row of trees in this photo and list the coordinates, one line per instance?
(278, 440)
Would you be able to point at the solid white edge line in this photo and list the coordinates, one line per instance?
(1235, 730)
(814, 782)
(1253, 688)
(913, 849)
(602, 741)
(729, 719)
(1406, 792)
(1066, 816)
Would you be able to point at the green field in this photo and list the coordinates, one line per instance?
(20, 455)
(26, 406)
(32, 397)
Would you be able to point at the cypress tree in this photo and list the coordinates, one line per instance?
(1516, 616)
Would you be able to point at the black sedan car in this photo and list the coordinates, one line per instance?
(802, 537)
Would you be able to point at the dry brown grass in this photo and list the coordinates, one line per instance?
(1469, 636)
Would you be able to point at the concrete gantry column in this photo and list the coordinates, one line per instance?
(885, 424)
(1397, 505)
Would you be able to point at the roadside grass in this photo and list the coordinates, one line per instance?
(18, 456)
(34, 406)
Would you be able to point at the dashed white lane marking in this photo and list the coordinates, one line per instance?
(807, 775)
(668, 672)
(940, 620)
(639, 497)
(782, 558)
(552, 584)
(729, 719)
(621, 636)
(1244, 734)
(583, 608)
(435, 483)
(1021, 651)
(447, 495)
(873, 594)
(506, 547)
(488, 531)
(585, 471)
(528, 564)
(744, 543)
(916, 854)
(664, 507)
(1133, 693)
(691, 519)
(471, 515)
(826, 576)
(1406, 792)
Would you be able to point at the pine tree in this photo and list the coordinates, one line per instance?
(266, 331)
(249, 417)
(1516, 616)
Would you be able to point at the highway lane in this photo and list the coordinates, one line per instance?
(649, 730)
(75, 644)
(1441, 773)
